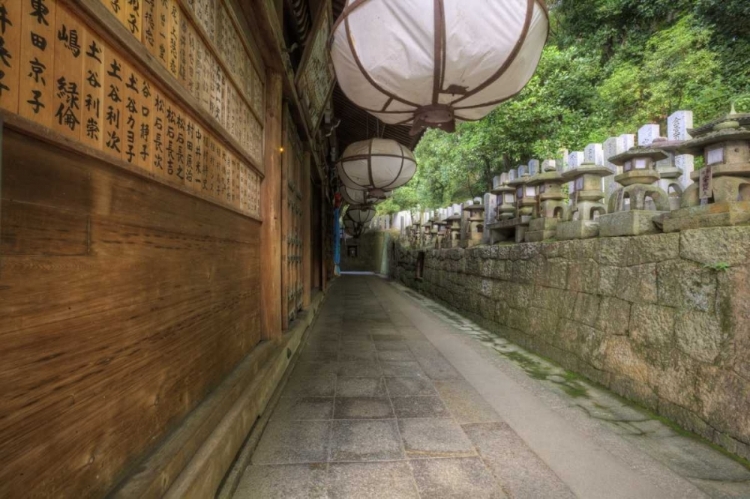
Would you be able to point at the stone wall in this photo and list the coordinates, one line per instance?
(663, 320)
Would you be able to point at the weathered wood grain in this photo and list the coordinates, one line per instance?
(123, 303)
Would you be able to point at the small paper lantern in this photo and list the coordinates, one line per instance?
(360, 214)
(352, 228)
(376, 165)
(429, 63)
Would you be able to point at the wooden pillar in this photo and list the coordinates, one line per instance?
(307, 240)
(270, 243)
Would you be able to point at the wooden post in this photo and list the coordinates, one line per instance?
(270, 243)
(306, 185)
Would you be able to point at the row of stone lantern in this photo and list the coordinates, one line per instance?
(620, 188)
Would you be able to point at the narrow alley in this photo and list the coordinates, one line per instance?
(394, 396)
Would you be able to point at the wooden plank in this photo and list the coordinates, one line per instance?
(10, 65)
(271, 212)
(38, 59)
(93, 375)
(139, 57)
(92, 107)
(307, 242)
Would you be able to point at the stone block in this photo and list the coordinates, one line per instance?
(628, 223)
(587, 309)
(622, 359)
(652, 329)
(699, 335)
(555, 273)
(614, 316)
(608, 275)
(706, 216)
(686, 285)
(725, 401)
(577, 229)
(730, 245)
(518, 318)
(613, 251)
(542, 322)
(556, 249)
(583, 276)
(638, 284)
(650, 249)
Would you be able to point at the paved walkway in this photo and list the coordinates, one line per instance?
(396, 397)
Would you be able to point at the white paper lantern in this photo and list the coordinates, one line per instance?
(429, 63)
(354, 196)
(360, 214)
(376, 165)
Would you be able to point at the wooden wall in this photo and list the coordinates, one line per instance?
(123, 302)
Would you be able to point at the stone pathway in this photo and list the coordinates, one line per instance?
(395, 396)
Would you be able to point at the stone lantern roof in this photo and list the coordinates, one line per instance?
(732, 127)
(647, 175)
(586, 169)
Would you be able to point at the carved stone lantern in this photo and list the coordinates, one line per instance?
(633, 207)
(669, 174)
(551, 203)
(586, 205)
(474, 213)
(720, 195)
(430, 64)
(506, 196)
(454, 226)
(525, 194)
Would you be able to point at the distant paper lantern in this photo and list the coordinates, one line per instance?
(353, 228)
(376, 165)
(360, 214)
(429, 63)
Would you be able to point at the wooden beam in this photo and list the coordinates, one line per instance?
(271, 211)
(306, 235)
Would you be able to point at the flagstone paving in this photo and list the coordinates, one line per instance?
(375, 409)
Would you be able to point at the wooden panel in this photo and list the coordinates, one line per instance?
(10, 63)
(124, 302)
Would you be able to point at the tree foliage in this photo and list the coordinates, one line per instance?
(609, 67)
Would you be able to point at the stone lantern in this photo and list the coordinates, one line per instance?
(506, 197)
(721, 194)
(633, 207)
(586, 205)
(454, 226)
(551, 202)
(474, 213)
(442, 239)
(525, 194)
(669, 174)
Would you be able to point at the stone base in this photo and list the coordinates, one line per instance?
(541, 229)
(577, 229)
(513, 229)
(710, 215)
(629, 223)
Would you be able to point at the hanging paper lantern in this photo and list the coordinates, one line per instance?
(353, 196)
(376, 165)
(429, 63)
(360, 214)
(352, 228)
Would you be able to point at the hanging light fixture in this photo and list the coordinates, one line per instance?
(429, 63)
(353, 228)
(377, 166)
(354, 196)
(360, 214)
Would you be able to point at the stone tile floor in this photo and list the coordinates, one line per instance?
(373, 409)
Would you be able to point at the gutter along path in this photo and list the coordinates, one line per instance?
(396, 397)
